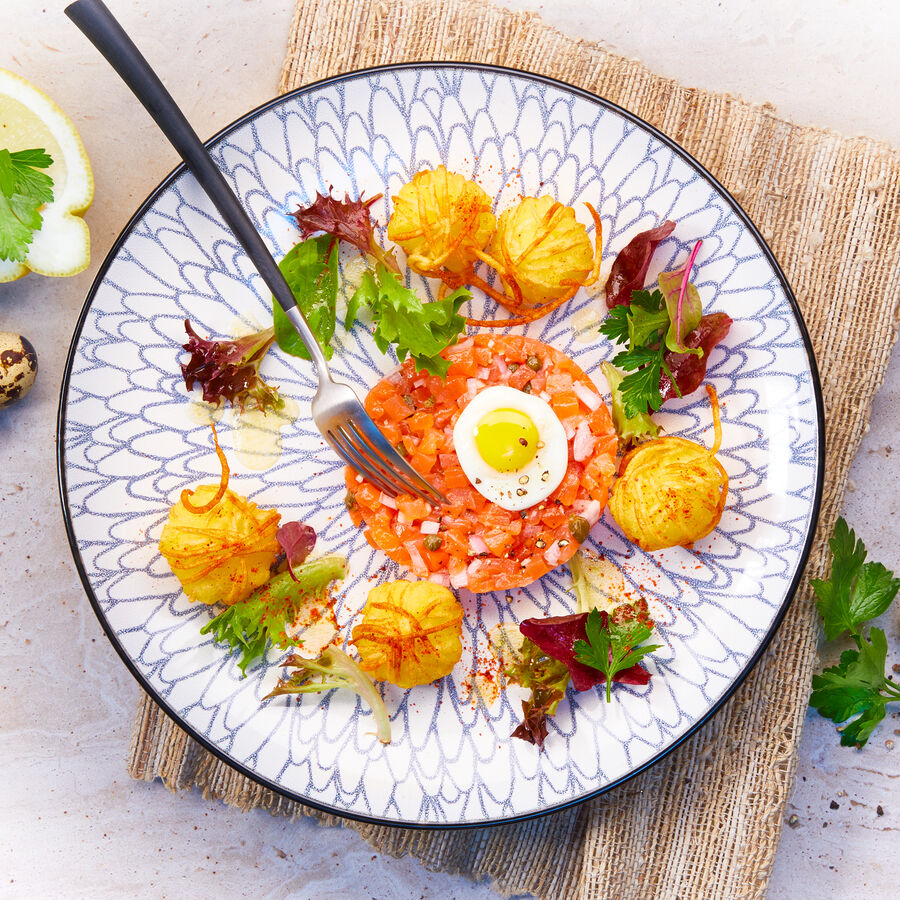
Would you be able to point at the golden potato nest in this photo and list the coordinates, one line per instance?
(670, 491)
(222, 554)
(442, 221)
(410, 633)
(542, 252)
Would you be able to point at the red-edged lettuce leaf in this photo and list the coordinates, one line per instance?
(556, 636)
(229, 369)
(297, 539)
(688, 369)
(547, 678)
(347, 220)
(541, 704)
(682, 303)
(630, 267)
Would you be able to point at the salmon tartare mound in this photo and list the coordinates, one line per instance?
(473, 542)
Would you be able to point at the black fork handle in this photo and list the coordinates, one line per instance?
(102, 29)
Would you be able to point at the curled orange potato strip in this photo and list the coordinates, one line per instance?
(223, 482)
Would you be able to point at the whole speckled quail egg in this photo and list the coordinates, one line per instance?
(18, 367)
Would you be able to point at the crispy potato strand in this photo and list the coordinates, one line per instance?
(223, 482)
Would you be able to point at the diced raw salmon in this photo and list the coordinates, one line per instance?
(418, 414)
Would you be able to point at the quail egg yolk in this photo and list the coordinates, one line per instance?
(506, 439)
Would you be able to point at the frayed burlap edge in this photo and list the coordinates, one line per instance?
(704, 822)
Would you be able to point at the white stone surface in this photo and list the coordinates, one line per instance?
(72, 822)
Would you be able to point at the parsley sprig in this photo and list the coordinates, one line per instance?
(856, 592)
(23, 191)
(612, 647)
(643, 326)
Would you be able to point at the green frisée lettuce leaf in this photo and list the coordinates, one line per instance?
(416, 329)
(334, 669)
(250, 624)
(629, 428)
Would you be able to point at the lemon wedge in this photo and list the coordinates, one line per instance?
(30, 119)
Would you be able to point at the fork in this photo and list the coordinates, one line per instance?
(336, 409)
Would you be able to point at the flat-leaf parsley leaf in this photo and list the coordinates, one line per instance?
(856, 592)
(23, 191)
(643, 325)
(613, 647)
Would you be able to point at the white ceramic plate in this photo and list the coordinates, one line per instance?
(128, 445)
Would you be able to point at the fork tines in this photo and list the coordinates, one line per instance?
(378, 462)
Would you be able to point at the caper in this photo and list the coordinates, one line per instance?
(513, 367)
(409, 400)
(534, 363)
(433, 542)
(579, 527)
(349, 500)
(429, 402)
(526, 388)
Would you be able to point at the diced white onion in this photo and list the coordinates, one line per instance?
(477, 544)
(584, 442)
(551, 554)
(429, 527)
(590, 399)
(419, 382)
(484, 372)
(474, 566)
(474, 385)
(569, 429)
(460, 579)
(403, 519)
(502, 367)
(438, 578)
(415, 558)
(591, 511)
(388, 501)
(544, 396)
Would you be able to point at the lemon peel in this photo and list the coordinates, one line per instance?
(30, 119)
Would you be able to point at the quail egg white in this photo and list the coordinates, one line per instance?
(511, 446)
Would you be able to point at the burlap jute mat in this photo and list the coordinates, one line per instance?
(705, 822)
